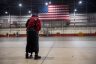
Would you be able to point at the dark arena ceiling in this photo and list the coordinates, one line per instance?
(12, 6)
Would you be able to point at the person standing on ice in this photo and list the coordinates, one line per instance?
(33, 26)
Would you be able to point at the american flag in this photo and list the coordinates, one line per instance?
(56, 12)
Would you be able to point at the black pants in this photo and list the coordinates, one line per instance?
(32, 42)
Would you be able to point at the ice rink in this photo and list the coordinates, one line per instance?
(54, 50)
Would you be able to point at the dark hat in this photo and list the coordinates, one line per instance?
(33, 15)
(35, 10)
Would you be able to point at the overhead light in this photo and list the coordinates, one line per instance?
(20, 5)
(46, 3)
(75, 10)
(29, 11)
(6, 12)
(50, 2)
(80, 2)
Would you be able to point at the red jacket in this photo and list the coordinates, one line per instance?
(32, 22)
